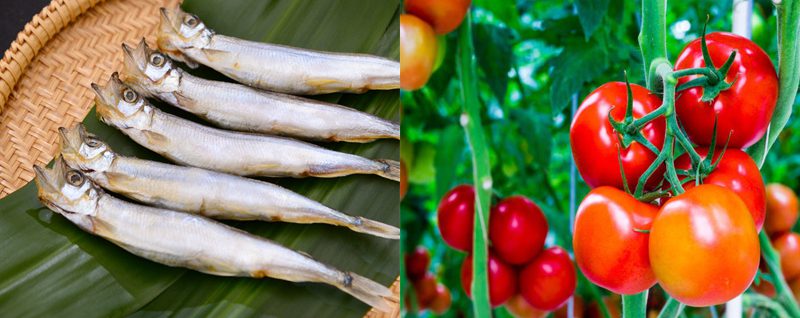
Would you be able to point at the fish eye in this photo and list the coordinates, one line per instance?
(191, 20)
(129, 95)
(74, 178)
(157, 59)
(91, 142)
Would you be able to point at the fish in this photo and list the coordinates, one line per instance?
(273, 67)
(186, 240)
(208, 193)
(193, 144)
(243, 108)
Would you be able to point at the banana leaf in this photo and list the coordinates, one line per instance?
(49, 267)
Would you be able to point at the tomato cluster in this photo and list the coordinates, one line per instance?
(430, 294)
(781, 217)
(519, 266)
(690, 242)
(420, 50)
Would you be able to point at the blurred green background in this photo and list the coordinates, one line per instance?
(533, 57)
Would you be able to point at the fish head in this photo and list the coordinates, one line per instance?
(84, 151)
(68, 192)
(179, 30)
(120, 105)
(145, 67)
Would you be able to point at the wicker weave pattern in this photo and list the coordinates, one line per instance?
(53, 90)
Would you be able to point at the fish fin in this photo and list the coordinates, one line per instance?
(118, 180)
(367, 226)
(367, 291)
(214, 55)
(185, 101)
(156, 139)
(326, 85)
(391, 169)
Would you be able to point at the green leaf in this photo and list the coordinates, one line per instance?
(591, 13)
(576, 65)
(494, 56)
(505, 10)
(537, 140)
(49, 267)
(448, 154)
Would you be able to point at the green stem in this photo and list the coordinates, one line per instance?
(481, 172)
(771, 257)
(760, 301)
(653, 38)
(639, 123)
(694, 71)
(671, 309)
(788, 73)
(634, 306)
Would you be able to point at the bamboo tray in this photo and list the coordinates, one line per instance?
(45, 77)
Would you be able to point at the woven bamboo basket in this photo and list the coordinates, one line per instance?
(46, 73)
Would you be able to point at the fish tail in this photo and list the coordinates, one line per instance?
(376, 228)
(367, 291)
(391, 169)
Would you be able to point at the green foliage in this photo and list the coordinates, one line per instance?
(50, 268)
(557, 50)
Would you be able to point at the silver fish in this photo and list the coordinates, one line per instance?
(209, 193)
(238, 107)
(273, 67)
(188, 240)
(238, 153)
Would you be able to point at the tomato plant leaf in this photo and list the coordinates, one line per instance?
(576, 65)
(591, 13)
(505, 10)
(494, 56)
(449, 154)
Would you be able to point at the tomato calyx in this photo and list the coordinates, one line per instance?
(629, 130)
(712, 79)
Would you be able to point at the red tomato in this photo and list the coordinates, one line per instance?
(403, 180)
(456, 215)
(443, 15)
(788, 247)
(417, 52)
(517, 229)
(595, 144)
(737, 172)
(549, 280)
(502, 279)
(441, 303)
(425, 288)
(794, 285)
(701, 238)
(417, 263)
(781, 208)
(608, 248)
(745, 108)
(765, 288)
(520, 308)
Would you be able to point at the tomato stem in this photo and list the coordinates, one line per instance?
(634, 305)
(772, 259)
(763, 302)
(481, 173)
(671, 309)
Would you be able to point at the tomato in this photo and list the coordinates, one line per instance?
(549, 280)
(781, 208)
(441, 303)
(502, 279)
(788, 247)
(595, 143)
(737, 172)
(609, 247)
(425, 288)
(520, 308)
(417, 263)
(704, 246)
(517, 229)
(417, 52)
(794, 285)
(765, 288)
(577, 310)
(456, 216)
(745, 108)
(443, 15)
(403, 180)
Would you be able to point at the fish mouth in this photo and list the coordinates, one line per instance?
(46, 182)
(135, 59)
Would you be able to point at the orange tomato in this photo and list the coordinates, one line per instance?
(444, 15)
(781, 208)
(417, 52)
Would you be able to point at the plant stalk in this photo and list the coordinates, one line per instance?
(671, 309)
(653, 38)
(634, 306)
(481, 172)
(771, 257)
